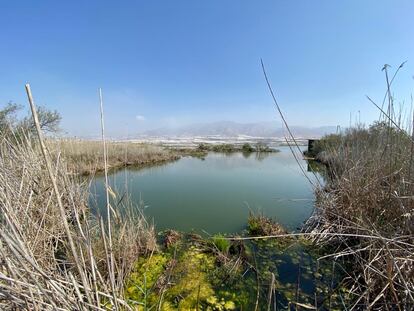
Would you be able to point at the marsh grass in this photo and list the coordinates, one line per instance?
(86, 157)
(222, 244)
(364, 215)
(38, 268)
(370, 192)
(365, 211)
(260, 225)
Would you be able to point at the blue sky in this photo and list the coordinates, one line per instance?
(171, 63)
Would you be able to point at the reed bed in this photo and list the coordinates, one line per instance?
(39, 268)
(86, 157)
(366, 212)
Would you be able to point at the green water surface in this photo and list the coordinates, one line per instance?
(215, 194)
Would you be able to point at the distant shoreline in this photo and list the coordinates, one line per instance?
(182, 141)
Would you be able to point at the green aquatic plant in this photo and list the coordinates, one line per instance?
(142, 281)
(191, 284)
(182, 283)
(221, 243)
(192, 275)
(194, 284)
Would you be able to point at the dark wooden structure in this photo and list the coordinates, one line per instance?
(311, 144)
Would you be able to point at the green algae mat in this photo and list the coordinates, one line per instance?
(196, 273)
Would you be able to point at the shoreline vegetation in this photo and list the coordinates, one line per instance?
(86, 157)
(355, 252)
(366, 209)
(141, 269)
(229, 148)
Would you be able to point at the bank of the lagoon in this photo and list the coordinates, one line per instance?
(206, 203)
(216, 193)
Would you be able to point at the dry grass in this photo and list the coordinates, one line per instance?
(369, 196)
(54, 254)
(365, 213)
(38, 269)
(86, 157)
(260, 225)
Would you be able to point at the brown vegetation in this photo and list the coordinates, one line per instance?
(366, 210)
(86, 157)
(38, 268)
(260, 225)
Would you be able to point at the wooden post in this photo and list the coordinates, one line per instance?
(62, 211)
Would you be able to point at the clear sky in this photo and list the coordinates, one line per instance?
(170, 63)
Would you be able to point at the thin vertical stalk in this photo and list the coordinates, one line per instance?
(108, 207)
(271, 286)
(411, 154)
(287, 127)
(56, 191)
(391, 114)
(256, 306)
(386, 92)
(298, 282)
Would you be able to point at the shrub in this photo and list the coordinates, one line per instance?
(247, 148)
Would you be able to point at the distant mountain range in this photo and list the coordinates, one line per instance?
(234, 129)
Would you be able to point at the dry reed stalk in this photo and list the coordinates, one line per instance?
(56, 191)
(86, 157)
(271, 290)
(42, 209)
(366, 208)
(292, 137)
(108, 206)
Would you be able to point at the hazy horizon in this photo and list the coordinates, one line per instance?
(172, 64)
(223, 128)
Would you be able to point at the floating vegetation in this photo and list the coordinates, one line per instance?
(144, 280)
(178, 281)
(219, 273)
(300, 277)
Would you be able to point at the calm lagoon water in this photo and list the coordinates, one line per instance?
(216, 194)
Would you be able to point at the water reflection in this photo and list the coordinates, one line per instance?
(216, 194)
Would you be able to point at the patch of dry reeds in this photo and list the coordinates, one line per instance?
(369, 197)
(53, 251)
(86, 157)
(365, 210)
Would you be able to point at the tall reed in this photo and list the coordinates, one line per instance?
(365, 210)
(370, 192)
(86, 157)
(39, 267)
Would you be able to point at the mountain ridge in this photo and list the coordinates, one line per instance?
(234, 129)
